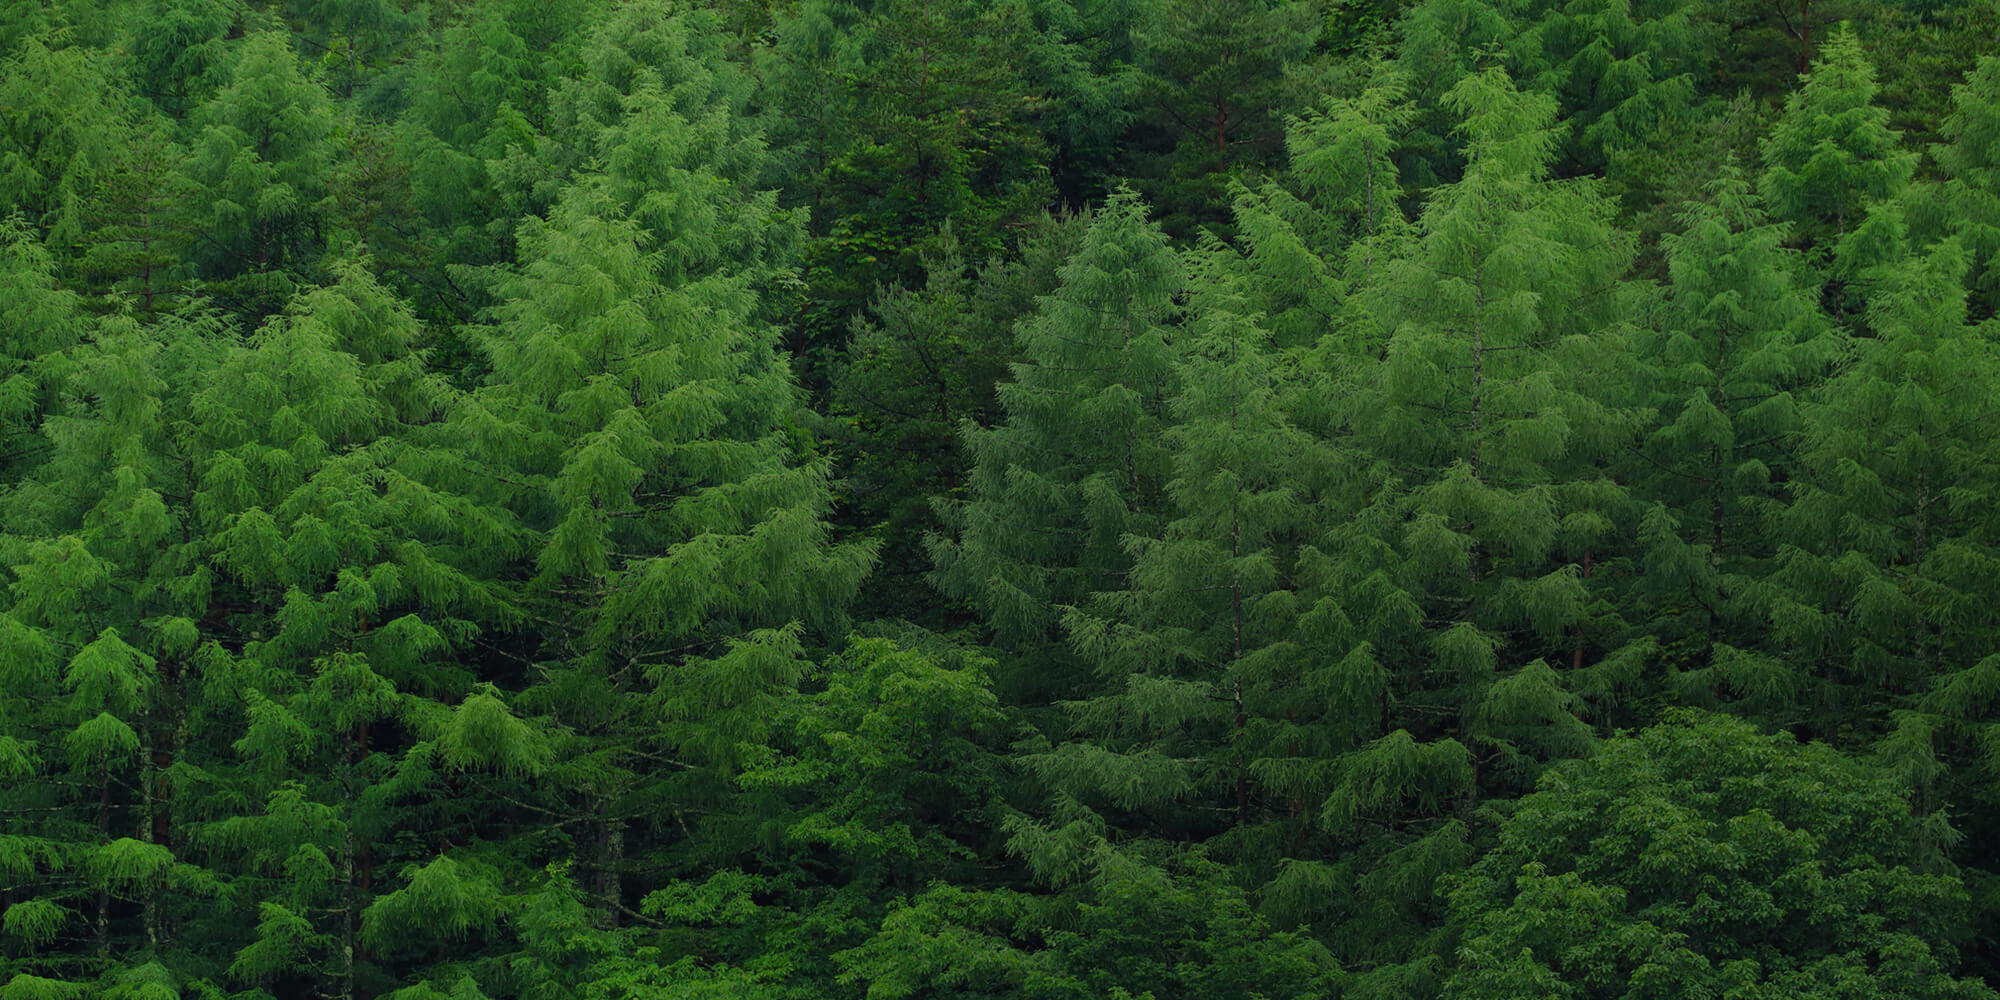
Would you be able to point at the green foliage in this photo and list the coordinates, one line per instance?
(1738, 345)
(1078, 462)
(1832, 153)
(445, 447)
(257, 173)
(1704, 856)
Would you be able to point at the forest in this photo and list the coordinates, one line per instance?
(1012, 499)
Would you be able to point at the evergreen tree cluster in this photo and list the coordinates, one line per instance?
(1057, 499)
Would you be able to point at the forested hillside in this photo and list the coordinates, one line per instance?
(1054, 499)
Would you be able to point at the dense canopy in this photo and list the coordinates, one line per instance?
(1043, 499)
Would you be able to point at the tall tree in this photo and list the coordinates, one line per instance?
(1726, 363)
(1967, 203)
(923, 362)
(1879, 587)
(1833, 153)
(65, 124)
(640, 423)
(1078, 463)
(1224, 684)
(1212, 75)
(258, 176)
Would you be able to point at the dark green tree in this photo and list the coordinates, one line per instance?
(1881, 584)
(1833, 153)
(1078, 463)
(1737, 346)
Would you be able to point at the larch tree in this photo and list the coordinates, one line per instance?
(1888, 537)
(39, 323)
(640, 423)
(66, 122)
(1493, 437)
(1967, 203)
(1491, 503)
(1223, 687)
(257, 173)
(1078, 462)
(1735, 348)
(349, 593)
(105, 588)
(1831, 156)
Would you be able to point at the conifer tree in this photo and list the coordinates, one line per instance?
(640, 424)
(1883, 580)
(923, 362)
(348, 573)
(1832, 153)
(1489, 502)
(105, 589)
(1738, 344)
(1213, 76)
(137, 229)
(65, 124)
(257, 174)
(1623, 72)
(904, 115)
(181, 56)
(1078, 462)
(38, 323)
(1483, 405)
(1222, 691)
(1968, 202)
(1311, 241)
